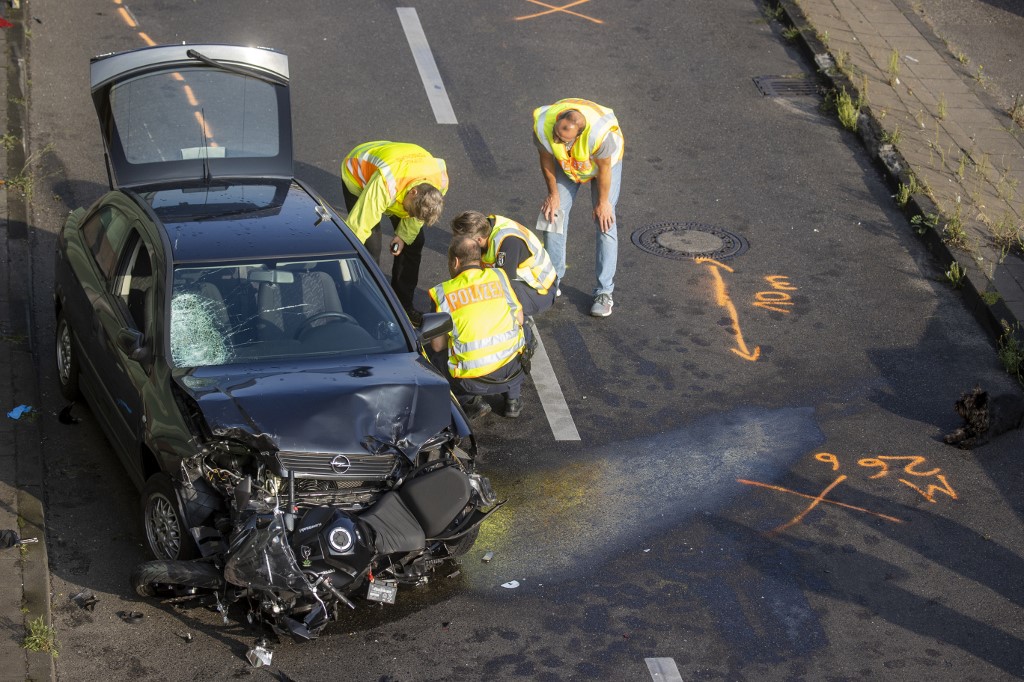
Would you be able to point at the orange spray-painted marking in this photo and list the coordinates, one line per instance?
(828, 458)
(932, 488)
(820, 498)
(564, 8)
(722, 298)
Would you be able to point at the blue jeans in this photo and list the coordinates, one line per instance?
(607, 242)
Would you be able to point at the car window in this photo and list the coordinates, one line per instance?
(135, 281)
(105, 233)
(193, 114)
(244, 312)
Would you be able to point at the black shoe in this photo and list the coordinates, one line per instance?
(476, 407)
(415, 316)
(513, 407)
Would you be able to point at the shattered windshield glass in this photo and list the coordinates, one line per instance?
(243, 312)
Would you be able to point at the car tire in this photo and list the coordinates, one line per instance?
(165, 525)
(159, 578)
(67, 359)
(464, 544)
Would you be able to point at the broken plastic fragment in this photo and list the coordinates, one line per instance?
(85, 600)
(259, 655)
(511, 584)
(18, 411)
(65, 416)
(487, 557)
(130, 617)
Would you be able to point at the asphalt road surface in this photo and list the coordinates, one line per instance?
(759, 489)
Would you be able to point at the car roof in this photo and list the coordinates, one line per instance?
(245, 222)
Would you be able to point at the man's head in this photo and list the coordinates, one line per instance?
(568, 126)
(463, 252)
(472, 224)
(425, 202)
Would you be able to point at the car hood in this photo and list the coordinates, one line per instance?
(329, 409)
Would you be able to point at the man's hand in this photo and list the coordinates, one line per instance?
(551, 204)
(397, 245)
(604, 214)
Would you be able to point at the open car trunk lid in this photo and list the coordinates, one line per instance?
(187, 114)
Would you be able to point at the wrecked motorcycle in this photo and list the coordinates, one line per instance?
(297, 559)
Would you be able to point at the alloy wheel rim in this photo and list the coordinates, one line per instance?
(64, 354)
(162, 527)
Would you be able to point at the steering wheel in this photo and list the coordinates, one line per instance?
(327, 315)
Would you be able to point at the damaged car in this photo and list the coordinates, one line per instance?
(246, 357)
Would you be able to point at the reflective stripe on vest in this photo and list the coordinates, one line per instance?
(485, 333)
(401, 164)
(537, 270)
(601, 122)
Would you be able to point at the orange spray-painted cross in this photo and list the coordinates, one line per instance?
(564, 8)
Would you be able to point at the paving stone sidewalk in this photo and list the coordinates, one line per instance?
(926, 116)
(24, 575)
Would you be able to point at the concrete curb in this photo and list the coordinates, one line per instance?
(978, 288)
(23, 387)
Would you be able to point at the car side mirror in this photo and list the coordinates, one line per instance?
(132, 343)
(434, 325)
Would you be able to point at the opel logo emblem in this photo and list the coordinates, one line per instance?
(340, 464)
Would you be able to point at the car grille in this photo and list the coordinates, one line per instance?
(332, 467)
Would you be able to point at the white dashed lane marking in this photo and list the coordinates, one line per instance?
(663, 670)
(546, 383)
(424, 58)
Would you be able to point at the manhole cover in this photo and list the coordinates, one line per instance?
(786, 86)
(686, 241)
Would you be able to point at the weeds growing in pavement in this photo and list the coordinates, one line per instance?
(980, 76)
(24, 180)
(892, 137)
(925, 221)
(1011, 351)
(962, 166)
(1017, 110)
(41, 637)
(962, 58)
(942, 106)
(790, 33)
(954, 232)
(772, 13)
(847, 109)
(893, 71)
(991, 297)
(1008, 234)
(956, 275)
(9, 141)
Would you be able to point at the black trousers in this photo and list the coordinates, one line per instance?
(532, 302)
(507, 379)
(405, 271)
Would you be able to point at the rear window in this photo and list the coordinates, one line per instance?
(193, 114)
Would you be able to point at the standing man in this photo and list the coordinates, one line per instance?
(579, 141)
(508, 245)
(487, 340)
(405, 183)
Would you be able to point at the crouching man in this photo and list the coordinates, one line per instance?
(482, 354)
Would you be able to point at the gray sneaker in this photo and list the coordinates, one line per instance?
(602, 305)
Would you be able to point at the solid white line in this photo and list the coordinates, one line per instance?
(663, 670)
(429, 74)
(546, 383)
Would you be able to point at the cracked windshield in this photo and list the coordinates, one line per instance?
(244, 312)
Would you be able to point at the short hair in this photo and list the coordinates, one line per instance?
(466, 250)
(471, 224)
(574, 116)
(428, 203)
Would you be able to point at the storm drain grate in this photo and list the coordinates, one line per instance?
(686, 241)
(786, 86)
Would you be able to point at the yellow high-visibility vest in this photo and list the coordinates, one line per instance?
(485, 334)
(537, 270)
(395, 167)
(577, 162)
